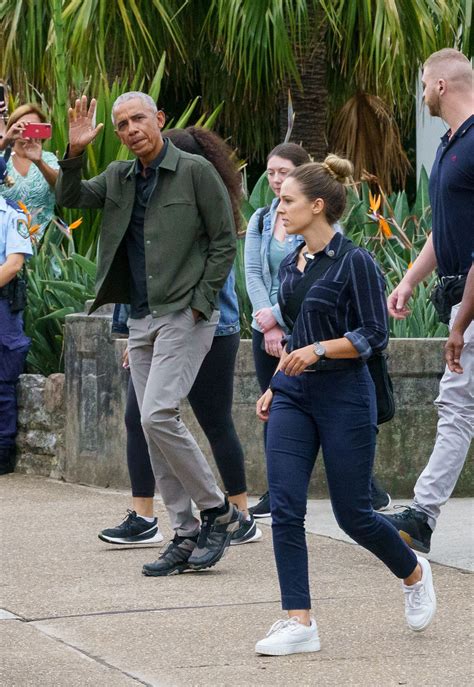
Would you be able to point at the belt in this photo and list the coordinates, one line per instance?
(326, 365)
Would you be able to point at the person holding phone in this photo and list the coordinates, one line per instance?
(32, 171)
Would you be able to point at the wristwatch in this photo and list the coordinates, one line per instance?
(319, 350)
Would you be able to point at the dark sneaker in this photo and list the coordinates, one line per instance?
(173, 560)
(262, 508)
(247, 532)
(380, 498)
(216, 532)
(413, 527)
(133, 530)
(7, 460)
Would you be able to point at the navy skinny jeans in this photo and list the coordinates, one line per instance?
(334, 410)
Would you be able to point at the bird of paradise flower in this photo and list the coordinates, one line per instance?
(374, 204)
(65, 228)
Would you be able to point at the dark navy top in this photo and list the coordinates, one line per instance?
(452, 200)
(347, 300)
(134, 237)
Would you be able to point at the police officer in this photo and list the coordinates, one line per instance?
(15, 245)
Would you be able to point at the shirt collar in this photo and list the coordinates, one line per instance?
(331, 249)
(465, 126)
(154, 164)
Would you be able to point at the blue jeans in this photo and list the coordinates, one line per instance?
(336, 411)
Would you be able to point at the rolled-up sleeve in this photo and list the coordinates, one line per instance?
(367, 287)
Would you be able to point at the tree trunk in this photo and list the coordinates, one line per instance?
(310, 103)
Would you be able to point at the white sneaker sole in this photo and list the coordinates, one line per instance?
(285, 649)
(387, 507)
(430, 589)
(156, 539)
(258, 535)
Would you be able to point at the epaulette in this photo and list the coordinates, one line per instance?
(15, 206)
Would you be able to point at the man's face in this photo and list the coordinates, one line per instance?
(139, 128)
(431, 92)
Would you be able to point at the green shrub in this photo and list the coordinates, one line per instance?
(60, 281)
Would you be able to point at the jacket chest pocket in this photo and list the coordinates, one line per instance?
(325, 296)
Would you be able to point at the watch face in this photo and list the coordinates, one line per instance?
(319, 349)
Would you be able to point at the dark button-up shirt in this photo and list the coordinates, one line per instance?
(145, 184)
(452, 200)
(347, 300)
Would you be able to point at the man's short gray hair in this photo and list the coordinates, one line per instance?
(131, 95)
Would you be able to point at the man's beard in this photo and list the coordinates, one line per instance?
(435, 107)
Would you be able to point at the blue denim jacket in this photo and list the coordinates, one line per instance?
(257, 267)
(227, 303)
(228, 307)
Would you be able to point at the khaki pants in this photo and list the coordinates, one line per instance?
(165, 356)
(455, 430)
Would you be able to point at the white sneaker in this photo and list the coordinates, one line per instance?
(289, 637)
(420, 599)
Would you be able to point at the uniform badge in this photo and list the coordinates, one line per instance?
(22, 228)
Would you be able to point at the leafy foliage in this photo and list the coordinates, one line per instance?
(241, 52)
(59, 283)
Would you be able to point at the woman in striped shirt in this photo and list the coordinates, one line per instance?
(322, 395)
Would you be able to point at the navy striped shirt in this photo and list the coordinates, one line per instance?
(347, 300)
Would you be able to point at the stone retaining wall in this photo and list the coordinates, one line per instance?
(41, 423)
(88, 419)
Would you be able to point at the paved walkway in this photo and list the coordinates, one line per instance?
(79, 613)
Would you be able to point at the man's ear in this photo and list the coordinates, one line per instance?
(441, 86)
(161, 118)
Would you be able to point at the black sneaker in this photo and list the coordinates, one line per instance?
(413, 527)
(7, 460)
(262, 508)
(380, 498)
(216, 532)
(173, 560)
(133, 530)
(247, 532)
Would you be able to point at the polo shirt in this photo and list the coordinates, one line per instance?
(451, 191)
(134, 237)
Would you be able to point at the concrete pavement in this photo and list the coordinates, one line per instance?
(78, 612)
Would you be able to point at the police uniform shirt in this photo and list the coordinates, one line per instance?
(14, 233)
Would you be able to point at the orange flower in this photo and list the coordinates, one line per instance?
(410, 265)
(385, 229)
(76, 224)
(34, 229)
(23, 207)
(374, 202)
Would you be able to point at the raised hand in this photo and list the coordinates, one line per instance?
(81, 128)
(32, 149)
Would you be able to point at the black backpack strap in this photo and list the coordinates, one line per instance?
(292, 307)
(262, 214)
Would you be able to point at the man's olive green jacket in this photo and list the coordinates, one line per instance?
(189, 230)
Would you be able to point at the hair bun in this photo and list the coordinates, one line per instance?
(339, 168)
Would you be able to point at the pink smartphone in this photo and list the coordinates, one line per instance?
(37, 130)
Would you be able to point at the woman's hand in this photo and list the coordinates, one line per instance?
(125, 360)
(32, 149)
(263, 405)
(14, 133)
(265, 319)
(297, 361)
(272, 340)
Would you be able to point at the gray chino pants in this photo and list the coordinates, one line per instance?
(165, 356)
(455, 430)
